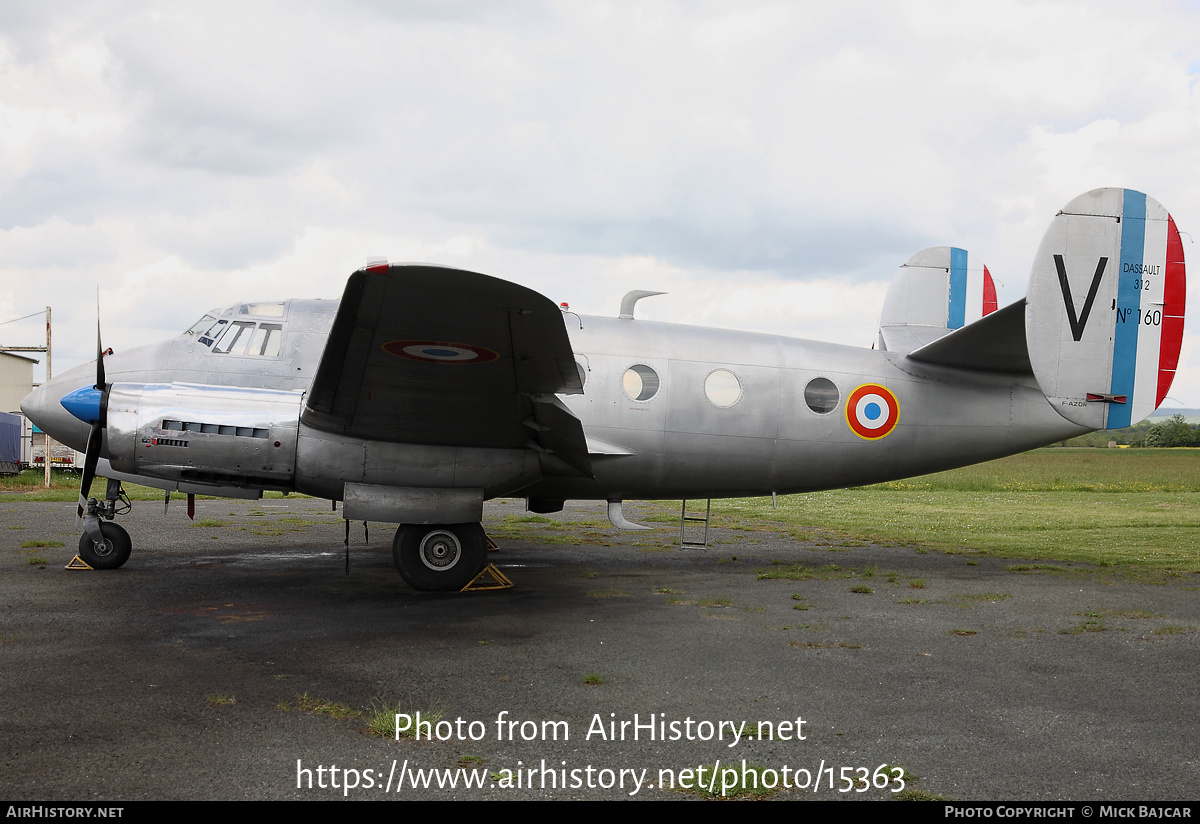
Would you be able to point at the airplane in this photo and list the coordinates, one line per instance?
(427, 390)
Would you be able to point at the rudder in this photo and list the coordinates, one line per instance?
(1104, 314)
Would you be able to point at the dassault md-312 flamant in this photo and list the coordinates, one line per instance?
(427, 390)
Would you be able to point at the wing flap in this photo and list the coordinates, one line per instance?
(560, 433)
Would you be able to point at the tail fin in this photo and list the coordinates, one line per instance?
(1104, 314)
(934, 293)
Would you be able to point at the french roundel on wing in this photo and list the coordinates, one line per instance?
(432, 351)
(872, 411)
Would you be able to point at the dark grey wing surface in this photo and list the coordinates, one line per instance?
(433, 355)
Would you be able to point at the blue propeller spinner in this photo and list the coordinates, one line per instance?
(84, 403)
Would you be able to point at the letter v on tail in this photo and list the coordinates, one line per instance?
(1078, 323)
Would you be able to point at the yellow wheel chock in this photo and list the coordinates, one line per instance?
(488, 579)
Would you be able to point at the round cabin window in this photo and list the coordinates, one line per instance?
(722, 388)
(640, 382)
(821, 395)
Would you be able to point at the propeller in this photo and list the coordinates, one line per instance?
(96, 435)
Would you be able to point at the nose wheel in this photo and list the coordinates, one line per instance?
(439, 557)
(105, 544)
(111, 551)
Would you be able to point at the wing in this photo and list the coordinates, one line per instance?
(432, 355)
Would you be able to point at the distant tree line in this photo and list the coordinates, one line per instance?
(1175, 431)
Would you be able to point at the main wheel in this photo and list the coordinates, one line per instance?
(112, 553)
(441, 557)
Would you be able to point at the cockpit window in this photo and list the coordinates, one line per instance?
(245, 337)
(236, 338)
(220, 331)
(266, 340)
(266, 310)
(202, 325)
(208, 329)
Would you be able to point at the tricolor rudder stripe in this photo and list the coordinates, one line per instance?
(1144, 340)
(989, 293)
(1174, 297)
(956, 300)
(872, 411)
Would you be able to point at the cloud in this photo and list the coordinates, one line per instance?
(744, 149)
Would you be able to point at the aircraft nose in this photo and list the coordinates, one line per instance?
(44, 407)
(84, 403)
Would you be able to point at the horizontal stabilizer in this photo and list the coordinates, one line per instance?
(995, 343)
(1105, 308)
(908, 337)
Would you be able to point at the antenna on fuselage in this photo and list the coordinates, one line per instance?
(630, 300)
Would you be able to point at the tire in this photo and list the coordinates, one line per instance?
(112, 553)
(439, 557)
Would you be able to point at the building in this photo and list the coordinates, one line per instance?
(16, 380)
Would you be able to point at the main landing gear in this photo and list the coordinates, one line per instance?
(439, 557)
(104, 544)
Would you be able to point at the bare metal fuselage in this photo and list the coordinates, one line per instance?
(181, 416)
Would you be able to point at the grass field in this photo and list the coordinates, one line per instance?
(64, 486)
(1129, 508)
(1133, 509)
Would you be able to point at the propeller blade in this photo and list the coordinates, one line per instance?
(96, 434)
(99, 356)
(90, 459)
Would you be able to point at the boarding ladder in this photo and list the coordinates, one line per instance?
(684, 518)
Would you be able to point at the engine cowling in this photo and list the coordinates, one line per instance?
(230, 436)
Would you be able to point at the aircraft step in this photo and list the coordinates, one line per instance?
(685, 518)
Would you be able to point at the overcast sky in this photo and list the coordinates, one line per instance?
(768, 164)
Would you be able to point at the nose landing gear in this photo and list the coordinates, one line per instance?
(105, 544)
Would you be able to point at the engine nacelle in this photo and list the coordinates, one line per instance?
(228, 436)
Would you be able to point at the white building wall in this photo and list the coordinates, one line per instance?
(16, 381)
